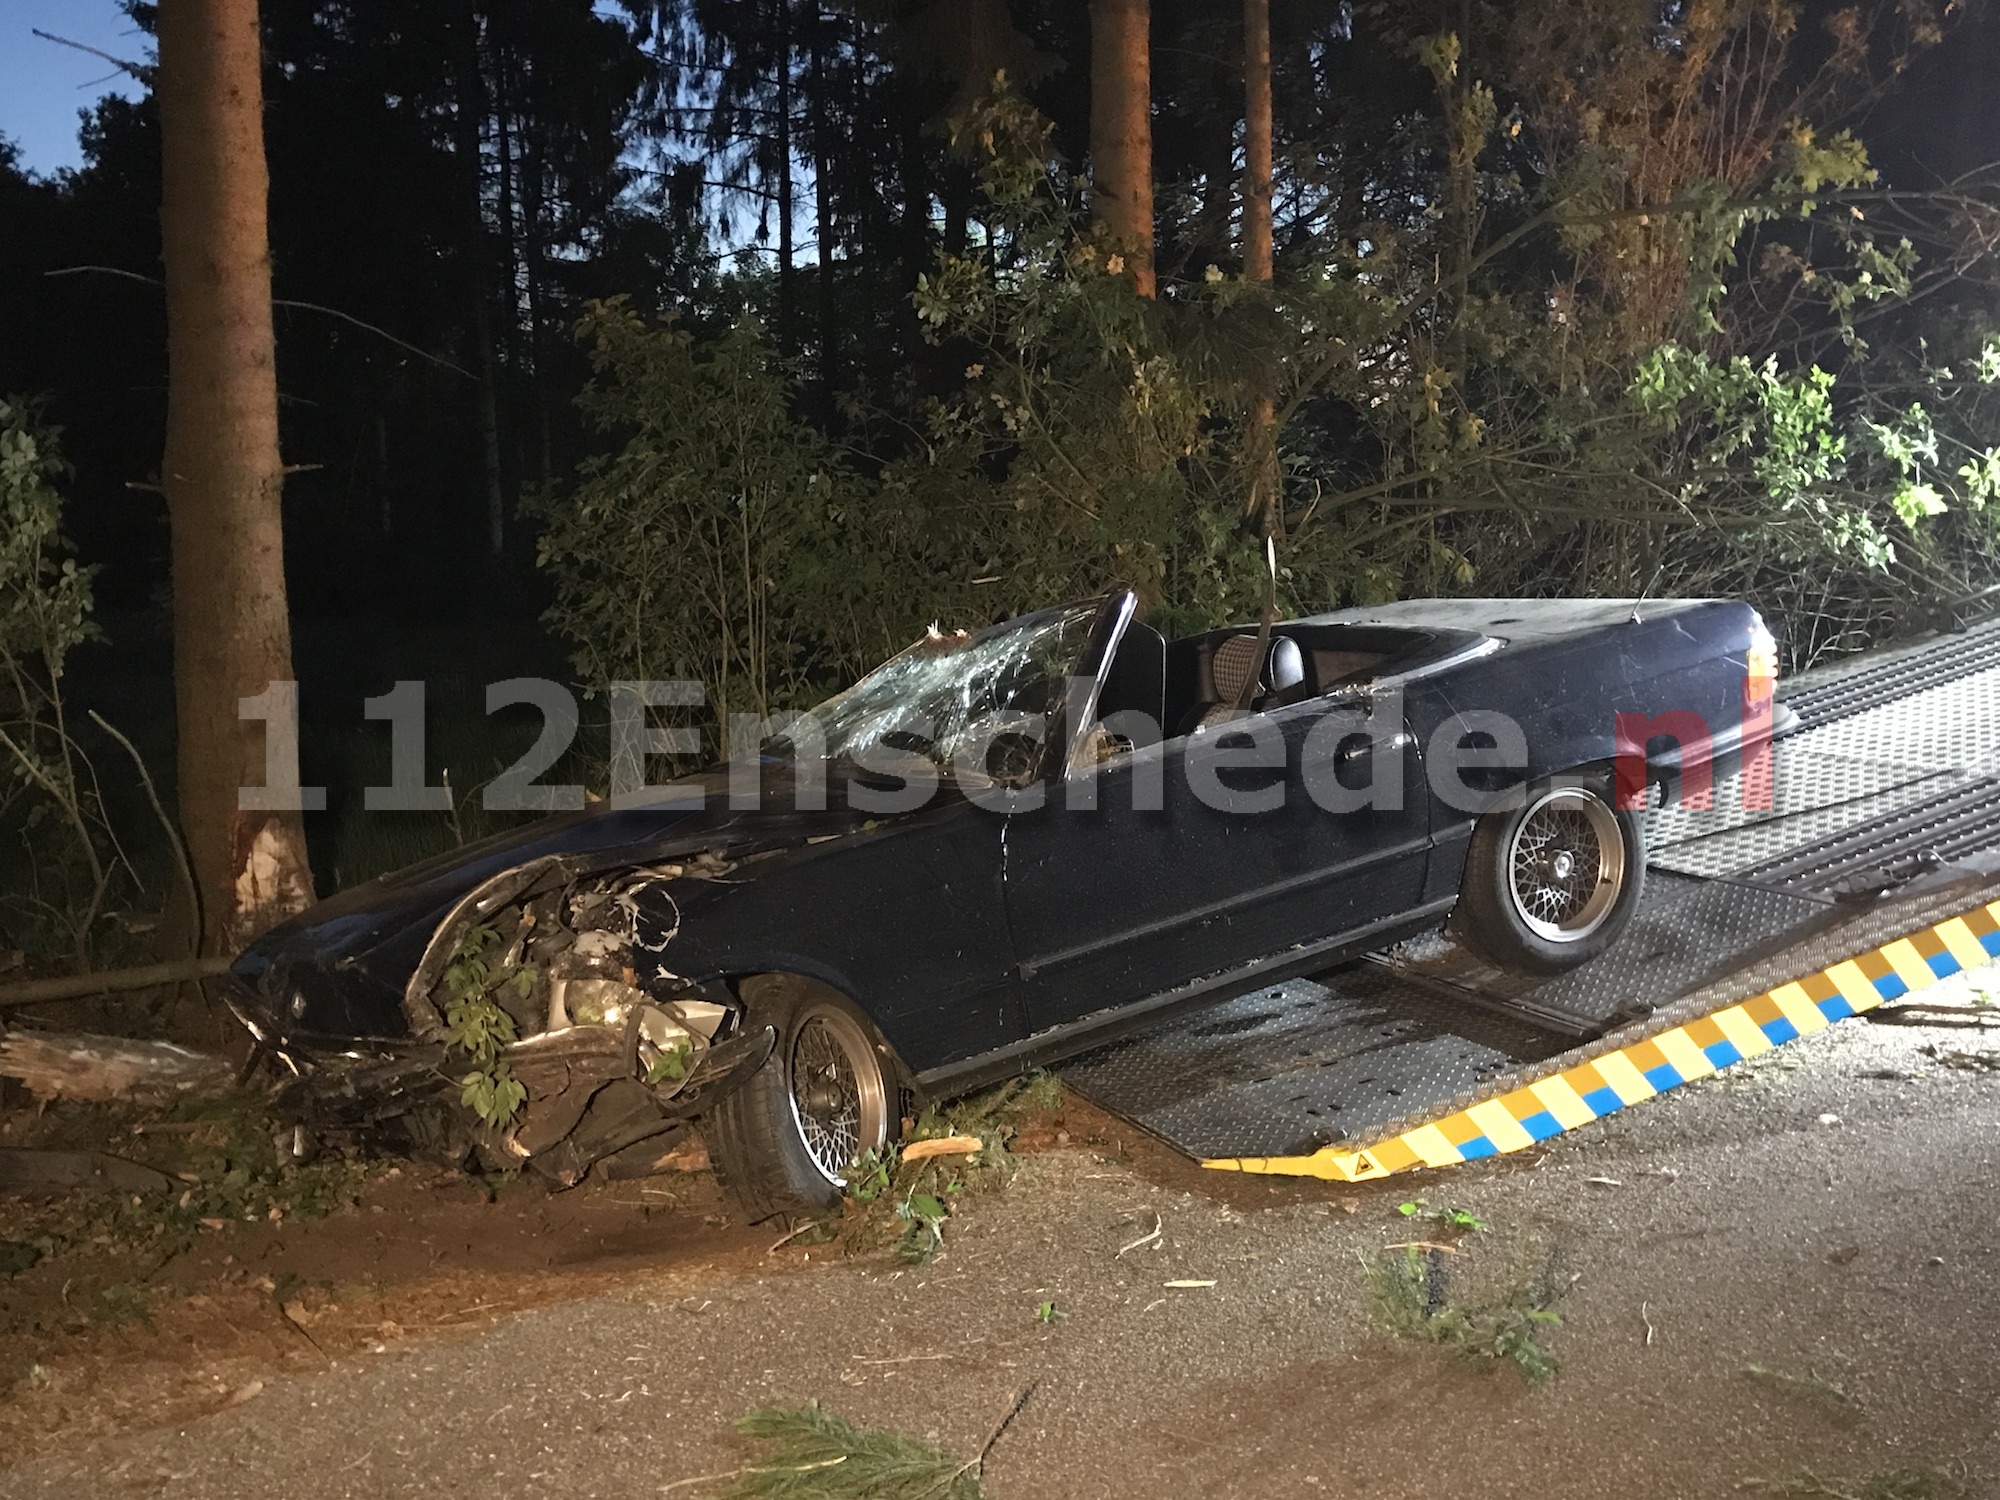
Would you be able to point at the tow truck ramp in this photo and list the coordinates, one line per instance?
(1875, 872)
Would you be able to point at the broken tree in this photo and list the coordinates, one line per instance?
(222, 475)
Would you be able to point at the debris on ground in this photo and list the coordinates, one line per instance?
(903, 1194)
(1457, 1220)
(1150, 1237)
(1807, 1384)
(1978, 1016)
(818, 1456)
(1963, 1062)
(24, 1170)
(1917, 1483)
(55, 1065)
(943, 1145)
(1408, 1296)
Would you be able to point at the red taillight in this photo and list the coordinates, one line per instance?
(1761, 661)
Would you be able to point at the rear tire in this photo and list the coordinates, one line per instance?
(1553, 883)
(826, 1096)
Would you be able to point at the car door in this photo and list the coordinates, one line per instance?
(1186, 866)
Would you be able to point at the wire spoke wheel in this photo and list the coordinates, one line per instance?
(1565, 865)
(839, 1101)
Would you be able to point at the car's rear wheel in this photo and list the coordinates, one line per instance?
(1552, 883)
(783, 1141)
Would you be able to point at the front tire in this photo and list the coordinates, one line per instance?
(827, 1095)
(1552, 883)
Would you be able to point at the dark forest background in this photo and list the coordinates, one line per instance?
(574, 299)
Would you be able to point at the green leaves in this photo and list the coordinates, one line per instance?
(493, 1094)
(1986, 364)
(1738, 420)
(923, 1215)
(1458, 1220)
(45, 598)
(868, 1178)
(1811, 165)
(1915, 501)
(476, 1025)
(1980, 475)
(1407, 1296)
(671, 1066)
(688, 551)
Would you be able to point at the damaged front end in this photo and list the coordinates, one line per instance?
(544, 1028)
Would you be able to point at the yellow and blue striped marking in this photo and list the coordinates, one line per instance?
(1591, 1090)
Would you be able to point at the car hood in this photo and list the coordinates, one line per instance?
(376, 932)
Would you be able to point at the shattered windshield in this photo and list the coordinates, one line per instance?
(950, 694)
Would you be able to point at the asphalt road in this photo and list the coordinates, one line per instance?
(1825, 1216)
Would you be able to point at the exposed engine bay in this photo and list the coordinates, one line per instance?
(547, 1031)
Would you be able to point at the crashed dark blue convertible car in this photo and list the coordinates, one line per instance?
(995, 850)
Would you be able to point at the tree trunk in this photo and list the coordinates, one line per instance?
(1121, 132)
(1256, 140)
(956, 189)
(221, 473)
(818, 107)
(1260, 445)
(471, 112)
(504, 216)
(533, 201)
(787, 276)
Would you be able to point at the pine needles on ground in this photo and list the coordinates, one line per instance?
(818, 1456)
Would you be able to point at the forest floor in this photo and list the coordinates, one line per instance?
(1781, 1280)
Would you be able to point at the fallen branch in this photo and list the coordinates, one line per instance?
(181, 861)
(976, 1465)
(794, 1234)
(111, 981)
(318, 307)
(299, 1328)
(1144, 1239)
(23, 1170)
(107, 1067)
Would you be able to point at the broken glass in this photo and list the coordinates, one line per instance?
(947, 694)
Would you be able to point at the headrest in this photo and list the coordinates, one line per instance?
(1288, 664)
(1232, 666)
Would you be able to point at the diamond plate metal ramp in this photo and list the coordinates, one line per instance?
(1959, 824)
(1847, 772)
(1845, 688)
(1333, 1058)
(1540, 1100)
(1685, 933)
(1303, 1064)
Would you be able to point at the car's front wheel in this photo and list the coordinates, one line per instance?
(784, 1140)
(1552, 883)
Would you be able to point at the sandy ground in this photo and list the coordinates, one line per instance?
(1826, 1216)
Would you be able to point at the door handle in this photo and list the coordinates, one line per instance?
(1401, 740)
